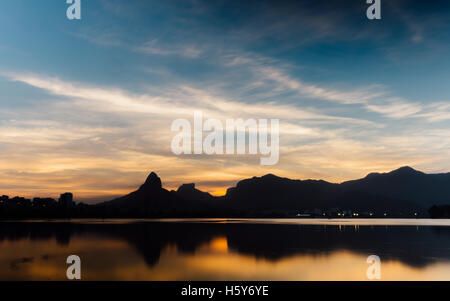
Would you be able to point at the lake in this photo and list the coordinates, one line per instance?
(226, 249)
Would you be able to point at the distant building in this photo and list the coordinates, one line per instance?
(44, 203)
(66, 200)
(3, 201)
(17, 203)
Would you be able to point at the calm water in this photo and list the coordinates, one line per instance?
(218, 249)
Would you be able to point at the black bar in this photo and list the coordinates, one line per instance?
(293, 290)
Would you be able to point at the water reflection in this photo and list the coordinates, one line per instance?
(228, 251)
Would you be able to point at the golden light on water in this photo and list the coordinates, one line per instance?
(219, 244)
(114, 259)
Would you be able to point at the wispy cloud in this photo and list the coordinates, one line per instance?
(396, 108)
(139, 65)
(436, 112)
(87, 128)
(356, 96)
(181, 100)
(152, 47)
(373, 98)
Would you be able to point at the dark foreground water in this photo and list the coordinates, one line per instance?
(218, 249)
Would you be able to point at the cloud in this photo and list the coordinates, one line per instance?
(436, 112)
(152, 47)
(181, 100)
(96, 139)
(357, 96)
(395, 108)
(86, 128)
(374, 98)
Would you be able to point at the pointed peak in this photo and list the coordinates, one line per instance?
(270, 175)
(153, 181)
(406, 170)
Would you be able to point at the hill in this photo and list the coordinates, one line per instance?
(402, 192)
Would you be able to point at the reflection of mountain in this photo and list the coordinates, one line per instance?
(413, 246)
(402, 192)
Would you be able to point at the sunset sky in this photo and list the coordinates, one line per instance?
(86, 106)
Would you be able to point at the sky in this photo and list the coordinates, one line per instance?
(86, 105)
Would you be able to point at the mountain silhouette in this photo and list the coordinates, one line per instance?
(273, 194)
(402, 192)
(151, 199)
(148, 196)
(408, 184)
(189, 192)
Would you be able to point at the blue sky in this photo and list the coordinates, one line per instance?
(86, 105)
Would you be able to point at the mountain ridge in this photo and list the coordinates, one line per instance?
(401, 191)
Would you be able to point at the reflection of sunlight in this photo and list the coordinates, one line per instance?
(114, 259)
(219, 244)
(337, 266)
(216, 245)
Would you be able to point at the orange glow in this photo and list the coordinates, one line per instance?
(104, 259)
(219, 244)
